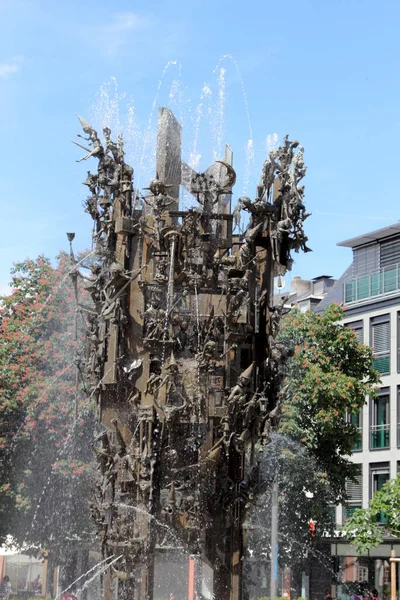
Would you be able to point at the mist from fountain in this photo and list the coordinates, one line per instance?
(116, 110)
(203, 120)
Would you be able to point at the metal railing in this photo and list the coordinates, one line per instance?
(384, 281)
(379, 436)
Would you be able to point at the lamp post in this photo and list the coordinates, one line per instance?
(274, 541)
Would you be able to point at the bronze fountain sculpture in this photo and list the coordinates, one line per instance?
(182, 357)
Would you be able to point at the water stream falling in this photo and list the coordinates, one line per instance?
(96, 575)
(64, 446)
(202, 108)
(118, 111)
(179, 542)
(204, 119)
(99, 568)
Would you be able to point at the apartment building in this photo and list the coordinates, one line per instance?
(369, 292)
(305, 294)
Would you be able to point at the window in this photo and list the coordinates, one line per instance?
(398, 342)
(398, 417)
(390, 253)
(356, 420)
(350, 291)
(357, 327)
(354, 495)
(376, 284)
(363, 287)
(380, 423)
(390, 279)
(389, 259)
(366, 259)
(362, 574)
(380, 342)
(379, 475)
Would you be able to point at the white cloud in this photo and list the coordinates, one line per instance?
(128, 21)
(7, 69)
(10, 67)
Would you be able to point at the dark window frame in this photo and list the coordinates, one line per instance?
(398, 341)
(357, 327)
(378, 469)
(376, 321)
(354, 504)
(381, 433)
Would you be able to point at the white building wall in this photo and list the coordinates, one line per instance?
(392, 454)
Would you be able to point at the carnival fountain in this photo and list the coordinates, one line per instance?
(182, 358)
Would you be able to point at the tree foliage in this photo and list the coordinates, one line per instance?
(44, 449)
(367, 526)
(328, 378)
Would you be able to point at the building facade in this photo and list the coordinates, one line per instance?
(369, 292)
(305, 294)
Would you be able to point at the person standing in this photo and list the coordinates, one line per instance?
(374, 594)
(5, 587)
(37, 585)
(327, 594)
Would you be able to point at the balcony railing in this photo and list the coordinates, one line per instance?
(380, 436)
(385, 281)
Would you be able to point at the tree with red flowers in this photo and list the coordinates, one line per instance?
(46, 419)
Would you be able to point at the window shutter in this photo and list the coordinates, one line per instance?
(359, 334)
(354, 490)
(357, 327)
(381, 338)
(366, 260)
(390, 253)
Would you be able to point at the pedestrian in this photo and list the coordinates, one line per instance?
(327, 595)
(37, 585)
(5, 587)
(68, 596)
(374, 594)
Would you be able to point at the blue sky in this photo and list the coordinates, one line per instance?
(325, 72)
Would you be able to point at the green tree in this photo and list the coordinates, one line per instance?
(367, 526)
(46, 421)
(328, 378)
(329, 375)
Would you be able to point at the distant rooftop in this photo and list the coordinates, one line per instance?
(372, 236)
(321, 277)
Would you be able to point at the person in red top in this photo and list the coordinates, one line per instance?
(374, 594)
(68, 596)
